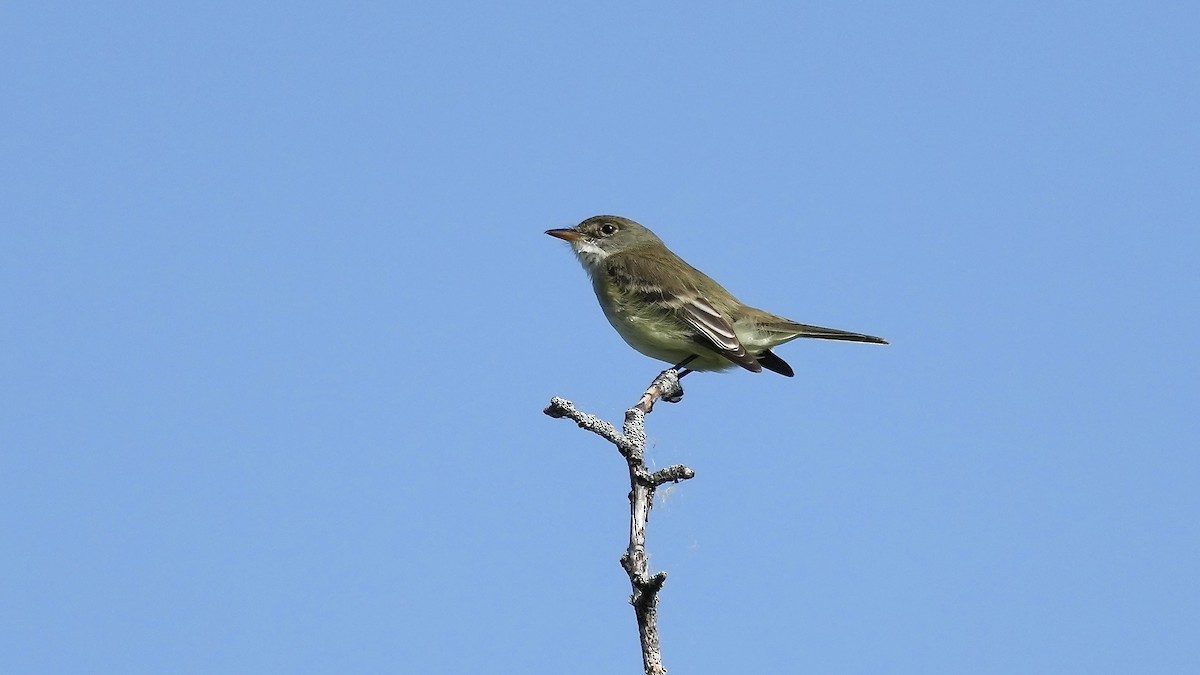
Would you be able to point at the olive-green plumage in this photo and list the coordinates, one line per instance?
(671, 311)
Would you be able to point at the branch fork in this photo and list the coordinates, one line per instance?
(631, 443)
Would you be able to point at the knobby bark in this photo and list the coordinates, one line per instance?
(631, 443)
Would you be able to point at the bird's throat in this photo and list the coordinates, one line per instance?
(589, 254)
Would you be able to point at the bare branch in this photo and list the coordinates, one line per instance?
(631, 443)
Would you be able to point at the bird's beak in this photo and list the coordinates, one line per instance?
(566, 234)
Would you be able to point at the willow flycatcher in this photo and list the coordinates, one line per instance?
(671, 311)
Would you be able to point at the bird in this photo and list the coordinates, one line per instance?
(670, 311)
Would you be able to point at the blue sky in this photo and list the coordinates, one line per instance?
(281, 321)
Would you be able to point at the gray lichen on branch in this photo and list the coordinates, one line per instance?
(631, 443)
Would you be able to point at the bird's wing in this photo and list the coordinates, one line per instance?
(716, 331)
(671, 292)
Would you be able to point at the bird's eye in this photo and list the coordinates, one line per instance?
(607, 229)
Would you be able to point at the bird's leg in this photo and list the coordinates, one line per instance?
(679, 367)
(683, 363)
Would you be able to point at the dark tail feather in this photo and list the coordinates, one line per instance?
(804, 330)
(774, 363)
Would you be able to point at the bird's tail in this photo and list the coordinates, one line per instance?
(772, 330)
(807, 331)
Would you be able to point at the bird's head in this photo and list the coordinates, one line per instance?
(598, 237)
